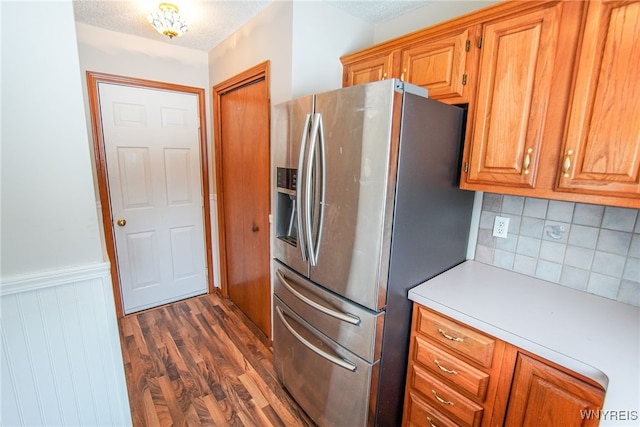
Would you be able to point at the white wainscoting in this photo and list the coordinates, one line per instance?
(60, 351)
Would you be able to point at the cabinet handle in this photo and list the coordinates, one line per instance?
(431, 423)
(449, 337)
(566, 165)
(527, 161)
(384, 76)
(443, 369)
(441, 400)
(402, 75)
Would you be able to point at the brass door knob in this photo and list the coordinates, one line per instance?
(121, 222)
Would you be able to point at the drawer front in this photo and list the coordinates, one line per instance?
(445, 366)
(330, 383)
(444, 399)
(457, 337)
(423, 415)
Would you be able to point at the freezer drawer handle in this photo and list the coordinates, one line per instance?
(349, 318)
(343, 363)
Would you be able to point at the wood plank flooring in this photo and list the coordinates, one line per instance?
(201, 362)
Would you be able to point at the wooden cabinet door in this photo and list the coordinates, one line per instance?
(441, 65)
(516, 71)
(368, 70)
(545, 396)
(602, 144)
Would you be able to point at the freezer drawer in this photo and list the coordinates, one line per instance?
(357, 329)
(331, 384)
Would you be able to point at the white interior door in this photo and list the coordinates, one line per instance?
(151, 140)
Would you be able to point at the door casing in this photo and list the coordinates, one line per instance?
(93, 79)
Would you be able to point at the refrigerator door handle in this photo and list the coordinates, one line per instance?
(349, 318)
(317, 134)
(315, 248)
(300, 193)
(343, 363)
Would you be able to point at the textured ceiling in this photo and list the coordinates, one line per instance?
(212, 21)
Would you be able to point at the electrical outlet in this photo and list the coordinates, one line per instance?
(501, 227)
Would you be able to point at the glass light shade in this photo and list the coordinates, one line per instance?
(167, 21)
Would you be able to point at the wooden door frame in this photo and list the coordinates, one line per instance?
(258, 72)
(93, 79)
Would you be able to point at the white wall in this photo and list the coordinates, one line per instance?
(49, 218)
(268, 36)
(321, 35)
(425, 16)
(61, 362)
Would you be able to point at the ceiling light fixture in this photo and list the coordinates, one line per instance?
(166, 20)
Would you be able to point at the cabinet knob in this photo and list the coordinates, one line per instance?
(566, 165)
(402, 75)
(527, 161)
(384, 76)
(121, 222)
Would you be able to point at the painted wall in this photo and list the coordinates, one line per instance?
(304, 51)
(59, 351)
(268, 36)
(318, 46)
(49, 218)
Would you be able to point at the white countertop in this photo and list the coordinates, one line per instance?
(591, 335)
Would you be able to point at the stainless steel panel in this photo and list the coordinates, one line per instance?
(288, 128)
(355, 328)
(331, 384)
(430, 230)
(361, 136)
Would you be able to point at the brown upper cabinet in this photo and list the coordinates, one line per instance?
(514, 93)
(601, 149)
(552, 91)
(443, 63)
(369, 69)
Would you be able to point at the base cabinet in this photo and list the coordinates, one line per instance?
(542, 395)
(460, 376)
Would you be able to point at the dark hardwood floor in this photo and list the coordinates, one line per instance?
(201, 362)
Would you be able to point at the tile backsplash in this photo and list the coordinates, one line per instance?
(591, 248)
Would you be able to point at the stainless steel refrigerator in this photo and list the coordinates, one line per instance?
(367, 206)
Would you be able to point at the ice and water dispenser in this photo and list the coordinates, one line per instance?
(286, 215)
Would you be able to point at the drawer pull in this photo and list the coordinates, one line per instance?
(430, 423)
(441, 400)
(443, 369)
(449, 337)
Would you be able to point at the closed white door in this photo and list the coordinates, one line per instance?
(151, 140)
